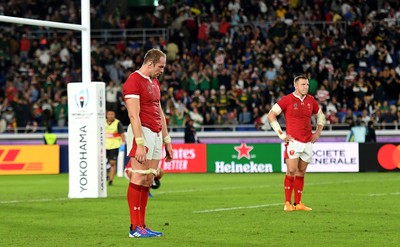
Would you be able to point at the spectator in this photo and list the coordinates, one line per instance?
(23, 113)
(222, 101)
(196, 117)
(271, 73)
(360, 89)
(24, 46)
(323, 95)
(365, 116)
(390, 117)
(61, 112)
(333, 106)
(190, 132)
(172, 51)
(3, 125)
(349, 118)
(245, 116)
(326, 67)
(371, 135)
(47, 110)
(332, 118)
(111, 95)
(9, 118)
(208, 120)
(357, 133)
(193, 82)
(49, 137)
(11, 91)
(203, 32)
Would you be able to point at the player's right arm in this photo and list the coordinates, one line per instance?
(133, 107)
(132, 91)
(273, 120)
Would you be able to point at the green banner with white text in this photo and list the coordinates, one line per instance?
(244, 158)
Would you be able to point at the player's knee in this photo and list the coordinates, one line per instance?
(149, 179)
(301, 173)
(139, 179)
(143, 177)
(291, 172)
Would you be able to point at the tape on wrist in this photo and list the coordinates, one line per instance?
(167, 139)
(139, 141)
(275, 126)
(282, 136)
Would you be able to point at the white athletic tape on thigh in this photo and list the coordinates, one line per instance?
(146, 172)
(126, 175)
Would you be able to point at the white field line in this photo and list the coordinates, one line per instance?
(198, 190)
(236, 208)
(34, 200)
(386, 194)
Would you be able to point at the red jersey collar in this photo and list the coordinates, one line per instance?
(299, 97)
(140, 73)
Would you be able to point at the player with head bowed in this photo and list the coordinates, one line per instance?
(141, 93)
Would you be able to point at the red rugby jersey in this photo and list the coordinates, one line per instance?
(148, 91)
(298, 115)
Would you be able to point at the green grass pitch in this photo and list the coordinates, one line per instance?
(349, 209)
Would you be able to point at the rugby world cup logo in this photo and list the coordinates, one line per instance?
(82, 98)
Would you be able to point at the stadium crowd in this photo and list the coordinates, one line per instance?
(228, 61)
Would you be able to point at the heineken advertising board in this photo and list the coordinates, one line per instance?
(244, 158)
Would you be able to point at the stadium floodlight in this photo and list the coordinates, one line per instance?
(86, 116)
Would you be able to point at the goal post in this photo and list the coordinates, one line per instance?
(86, 116)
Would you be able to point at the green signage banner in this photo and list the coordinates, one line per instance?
(244, 158)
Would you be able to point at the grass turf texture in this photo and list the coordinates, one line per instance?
(349, 209)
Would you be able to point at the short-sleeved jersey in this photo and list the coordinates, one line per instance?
(148, 91)
(298, 115)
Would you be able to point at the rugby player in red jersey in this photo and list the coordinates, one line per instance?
(141, 93)
(298, 108)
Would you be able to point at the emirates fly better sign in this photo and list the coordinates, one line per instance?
(187, 158)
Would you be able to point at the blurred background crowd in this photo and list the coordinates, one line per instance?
(228, 61)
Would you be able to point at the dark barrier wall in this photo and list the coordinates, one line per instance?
(63, 158)
(379, 157)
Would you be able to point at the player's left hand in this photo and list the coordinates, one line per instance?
(169, 153)
(315, 137)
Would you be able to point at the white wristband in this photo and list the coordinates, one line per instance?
(275, 126)
(139, 141)
(167, 139)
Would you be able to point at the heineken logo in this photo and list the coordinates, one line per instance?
(243, 151)
(251, 167)
(243, 158)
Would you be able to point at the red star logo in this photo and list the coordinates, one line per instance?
(243, 151)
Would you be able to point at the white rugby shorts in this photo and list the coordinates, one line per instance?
(152, 142)
(295, 149)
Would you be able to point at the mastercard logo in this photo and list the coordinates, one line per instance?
(389, 156)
